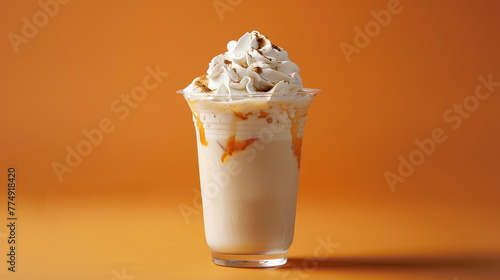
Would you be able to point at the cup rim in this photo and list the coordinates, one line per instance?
(304, 91)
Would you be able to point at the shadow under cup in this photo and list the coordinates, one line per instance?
(249, 151)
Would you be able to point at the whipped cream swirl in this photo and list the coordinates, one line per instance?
(252, 65)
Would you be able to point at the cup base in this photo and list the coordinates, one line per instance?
(259, 260)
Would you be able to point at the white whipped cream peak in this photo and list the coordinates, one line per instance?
(251, 65)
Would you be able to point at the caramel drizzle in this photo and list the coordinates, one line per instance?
(235, 146)
(241, 115)
(199, 123)
(201, 129)
(294, 131)
(263, 114)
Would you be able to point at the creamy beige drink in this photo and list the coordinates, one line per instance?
(249, 113)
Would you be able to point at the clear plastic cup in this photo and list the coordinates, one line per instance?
(249, 149)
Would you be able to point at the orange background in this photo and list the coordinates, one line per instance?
(117, 213)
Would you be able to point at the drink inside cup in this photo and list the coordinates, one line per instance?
(249, 146)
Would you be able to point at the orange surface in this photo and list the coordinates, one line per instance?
(416, 92)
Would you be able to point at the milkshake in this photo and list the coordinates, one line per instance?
(249, 112)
